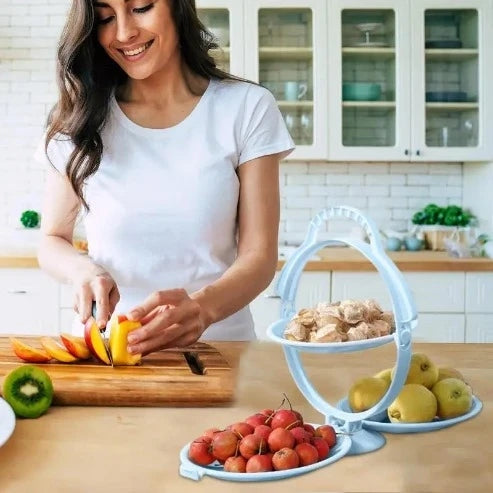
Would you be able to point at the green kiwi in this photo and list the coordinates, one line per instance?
(28, 390)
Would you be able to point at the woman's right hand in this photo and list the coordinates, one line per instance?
(100, 287)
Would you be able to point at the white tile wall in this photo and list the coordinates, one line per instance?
(388, 192)
(29, 30)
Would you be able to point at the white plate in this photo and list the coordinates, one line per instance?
(275, 332)
(193, 471)
(7, 421)
(386, 426)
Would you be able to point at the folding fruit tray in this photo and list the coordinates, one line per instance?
(360, 432)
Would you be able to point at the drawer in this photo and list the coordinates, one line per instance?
(479, 328)
(432, 292)
(440, 327)
(29, 299)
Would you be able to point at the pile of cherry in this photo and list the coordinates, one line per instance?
(270, 440)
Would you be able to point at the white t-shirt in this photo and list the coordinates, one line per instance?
(163, 203)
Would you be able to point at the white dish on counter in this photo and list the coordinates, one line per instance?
(7, 421)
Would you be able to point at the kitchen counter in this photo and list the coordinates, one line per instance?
(332, 259)
(75, 449)
(349, 259)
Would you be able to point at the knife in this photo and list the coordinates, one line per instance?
(105, 340)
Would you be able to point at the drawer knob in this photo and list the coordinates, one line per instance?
(17, 291)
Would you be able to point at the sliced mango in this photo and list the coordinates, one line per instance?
(120, 327)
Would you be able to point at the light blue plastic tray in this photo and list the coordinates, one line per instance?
(405, 314)
(192, 471)
(382, 423)
(354, 439)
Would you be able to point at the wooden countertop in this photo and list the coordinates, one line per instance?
(75, 449)
(349, 259)
(336, 259)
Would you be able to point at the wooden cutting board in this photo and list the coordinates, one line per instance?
(196, 377)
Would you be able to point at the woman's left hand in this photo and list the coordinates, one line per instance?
(169, 319)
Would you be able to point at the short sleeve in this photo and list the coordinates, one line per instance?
(263, 129)
(59, 150)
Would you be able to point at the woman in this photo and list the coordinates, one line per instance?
(176, 166)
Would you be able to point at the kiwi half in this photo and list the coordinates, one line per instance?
(28, 390)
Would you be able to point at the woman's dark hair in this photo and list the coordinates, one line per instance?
(86, 77)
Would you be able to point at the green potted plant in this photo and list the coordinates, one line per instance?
(439, 223)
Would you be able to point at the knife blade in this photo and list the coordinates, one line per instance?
(103, 329)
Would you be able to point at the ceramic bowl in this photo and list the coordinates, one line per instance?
(413, 244)
(361, 91)
(393, 244)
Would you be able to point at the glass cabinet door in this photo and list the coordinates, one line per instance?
(224, 20)
(283, 59)
(369, 81)
(451, 100)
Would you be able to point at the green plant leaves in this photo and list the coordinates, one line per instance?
(452, 215)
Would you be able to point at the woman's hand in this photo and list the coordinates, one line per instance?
(100, 287)
(169, 319)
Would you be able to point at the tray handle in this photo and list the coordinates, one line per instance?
(288, 279)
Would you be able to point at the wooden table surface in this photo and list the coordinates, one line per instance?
(76, 449)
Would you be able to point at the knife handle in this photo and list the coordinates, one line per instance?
(93, 312)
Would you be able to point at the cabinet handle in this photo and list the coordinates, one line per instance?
(17, 291)
(272, 296)
(418, 153)
(406, 152)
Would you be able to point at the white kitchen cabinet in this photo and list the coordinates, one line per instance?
(360, 286)
(427, 103)
(428, 65)
(66, 317)
(369, 43)
(440, 327)
(432, 292)
(29, 302)
(313, 288)
(266, 308)
(443, 292)
(459, 125)
(286, 51)
(479, 292)
(66, 296)
(66, 312)
(224, 18)
(479, 328)
(281, 44)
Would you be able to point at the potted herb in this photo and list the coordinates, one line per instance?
(30, 219)
(439, 223)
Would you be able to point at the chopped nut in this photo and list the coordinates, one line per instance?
(323, 319)
(373, 310)
(371, 331)
(307, 317)
(329, 309)
(356, 333)
(328, 333)
(289, 337)
(341, 321)
(382, 327)
(353, 311)
(295, 331)
(389, 318)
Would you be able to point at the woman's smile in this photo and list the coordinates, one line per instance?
(137, 53)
